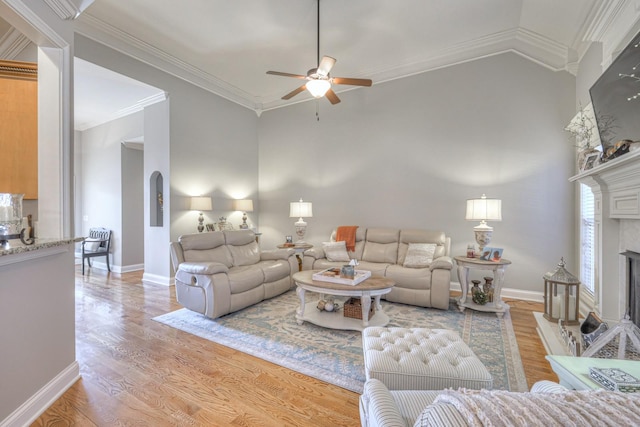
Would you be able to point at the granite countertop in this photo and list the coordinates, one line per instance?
(17, 247)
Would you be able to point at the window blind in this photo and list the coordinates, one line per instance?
(587, 238)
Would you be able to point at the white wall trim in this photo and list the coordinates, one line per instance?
(12, 43)
(157, 280)
(31, 409)
(138, 106)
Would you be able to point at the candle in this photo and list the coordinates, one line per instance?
(557, 309)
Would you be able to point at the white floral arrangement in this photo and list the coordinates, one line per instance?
(583, 129)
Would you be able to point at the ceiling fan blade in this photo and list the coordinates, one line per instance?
(350, 81)
(332, 97)
(279, 73)
(326, 65)
(295, 92)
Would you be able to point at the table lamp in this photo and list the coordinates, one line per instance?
(201, 203)
(244, 205)
(301, 210)
(483, 210)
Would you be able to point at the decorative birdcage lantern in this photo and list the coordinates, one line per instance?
(561, 295)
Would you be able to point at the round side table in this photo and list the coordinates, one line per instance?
(497, 267)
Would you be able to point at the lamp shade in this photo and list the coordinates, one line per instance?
(244, 205)
(484, 209)
(201, 203)
(300, 209)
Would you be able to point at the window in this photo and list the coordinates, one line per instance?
(587, 238)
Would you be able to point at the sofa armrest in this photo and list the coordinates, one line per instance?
(272, 254)
(315, 253)
(203, 267)
(443, 262)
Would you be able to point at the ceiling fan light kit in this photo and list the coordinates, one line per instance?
(318, 79)
(318, 88)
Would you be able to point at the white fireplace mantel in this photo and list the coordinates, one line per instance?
(616, 189)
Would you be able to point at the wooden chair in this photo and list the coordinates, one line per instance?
(97, 244)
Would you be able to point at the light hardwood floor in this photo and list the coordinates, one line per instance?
(136, 371)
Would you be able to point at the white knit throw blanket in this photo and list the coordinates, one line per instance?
(571, 408)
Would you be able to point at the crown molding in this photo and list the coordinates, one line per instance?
(138, 106)
(530, 45)
(103, 33)
(611, 26)
(65, 9)
(12, 43)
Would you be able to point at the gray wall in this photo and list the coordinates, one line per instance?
(132, 208)
(104, 175)
(408, 153)
(213, 148)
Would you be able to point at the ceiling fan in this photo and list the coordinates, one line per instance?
(319, 80)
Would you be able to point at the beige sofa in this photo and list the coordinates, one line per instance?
(224, 271)
(547, 404)
(383, 251)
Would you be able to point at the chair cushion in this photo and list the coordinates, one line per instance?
(91, 245)
(248, 254)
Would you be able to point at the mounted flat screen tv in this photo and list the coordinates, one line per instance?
(616, 98)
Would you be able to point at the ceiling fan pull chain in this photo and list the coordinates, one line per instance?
(317, 109)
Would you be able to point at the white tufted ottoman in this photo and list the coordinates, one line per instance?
(421, 359)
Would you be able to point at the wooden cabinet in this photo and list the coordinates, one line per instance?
(19, 128)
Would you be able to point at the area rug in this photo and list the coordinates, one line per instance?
(269, 331)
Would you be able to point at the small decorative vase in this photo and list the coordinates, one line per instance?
(475, 288)
(488, 288)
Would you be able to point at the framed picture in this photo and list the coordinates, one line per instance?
(496, 254)
(589, 161)
(486, 254)
(210, 227)
(289, 239)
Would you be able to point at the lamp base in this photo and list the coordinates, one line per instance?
(483, 234)
(201, 223)
(301, 229)
(244, 225)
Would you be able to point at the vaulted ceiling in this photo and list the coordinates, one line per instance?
(227, 46)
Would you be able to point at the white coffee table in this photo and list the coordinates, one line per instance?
(374, 287)
(573, 372)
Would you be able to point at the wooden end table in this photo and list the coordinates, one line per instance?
(299, 248)
(497, 267)
(374, 286)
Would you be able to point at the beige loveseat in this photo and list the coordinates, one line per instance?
(383, 251)
(224, 271)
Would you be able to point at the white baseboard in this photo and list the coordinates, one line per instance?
(157, 280)
(510, 293)
(101, 265)
(30, 410)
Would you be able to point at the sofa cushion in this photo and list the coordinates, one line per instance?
(419, 255)
(274, 270)
(411, 278)
(242, 279)
(245, 255)
(205, 247)
(336, 251)
(421, 236)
